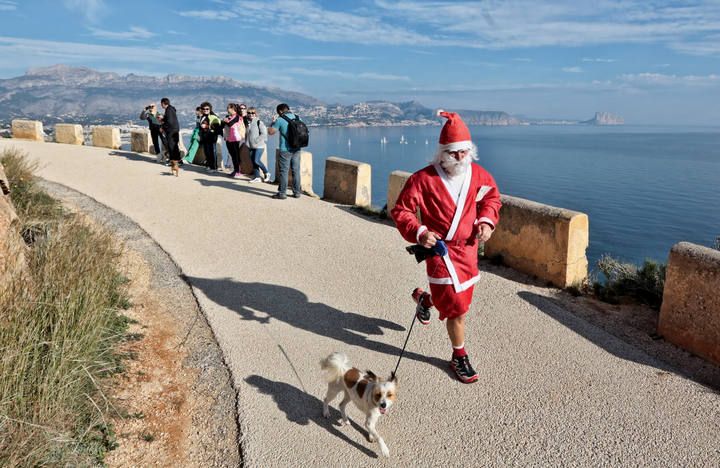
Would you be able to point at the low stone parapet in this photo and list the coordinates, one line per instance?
(690, 311)
(28, 130)
(69, 134)
(542, 240)
(395, 185)
(140, 141)
(306, 172)
(347, 182)
(106, 137)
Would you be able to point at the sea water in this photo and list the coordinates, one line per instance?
(643, 188)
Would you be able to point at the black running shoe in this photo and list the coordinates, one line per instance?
(463, 370)
(424, 303)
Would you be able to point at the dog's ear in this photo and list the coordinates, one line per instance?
(393, 378)
(371, 375)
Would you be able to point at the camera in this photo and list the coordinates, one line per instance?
(148, 107)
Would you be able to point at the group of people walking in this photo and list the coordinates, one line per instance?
(240, 127)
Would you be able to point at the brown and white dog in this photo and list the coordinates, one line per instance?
(372, 395)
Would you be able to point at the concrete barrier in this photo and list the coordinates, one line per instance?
(140, 141)
(69, 134)
(690, 311)
(306, 172)
(542, 240)
(347, 182)
(395, 185)
(246, 165)
(106, 137)
(28, 130)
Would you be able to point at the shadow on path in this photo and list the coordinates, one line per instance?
(652, 355)
(303, 408)
(292, 307)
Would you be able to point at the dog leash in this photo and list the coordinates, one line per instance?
(421, 254)
(394, 373)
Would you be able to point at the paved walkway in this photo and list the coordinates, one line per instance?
(284, 283)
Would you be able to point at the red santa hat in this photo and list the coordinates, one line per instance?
(455, 135)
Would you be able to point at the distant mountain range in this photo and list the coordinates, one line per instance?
(62, 93)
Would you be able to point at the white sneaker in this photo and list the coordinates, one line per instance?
(267, 177)
(256, 179)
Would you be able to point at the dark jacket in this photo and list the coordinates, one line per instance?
(210, 134)
(170, 121)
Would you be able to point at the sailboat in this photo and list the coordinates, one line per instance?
(349, 142)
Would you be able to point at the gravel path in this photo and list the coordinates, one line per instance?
(284, 283)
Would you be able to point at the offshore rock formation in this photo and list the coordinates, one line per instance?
(605, 118)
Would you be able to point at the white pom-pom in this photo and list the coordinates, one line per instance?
(439, 111)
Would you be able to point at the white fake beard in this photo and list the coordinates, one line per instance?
(452, 166)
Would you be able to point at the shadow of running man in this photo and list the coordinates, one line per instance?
(302, 408)
(262, 302)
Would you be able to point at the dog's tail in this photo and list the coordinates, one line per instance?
(335, 366)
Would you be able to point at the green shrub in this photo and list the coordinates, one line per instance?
(625, 280)
(58, 328)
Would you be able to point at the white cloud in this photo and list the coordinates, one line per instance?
(92, 10)
(7, 5)
(598, 60)
(134, 34)
(219, 15)
(346, 75)
(572, 69)
(309, 20)
(659, 79)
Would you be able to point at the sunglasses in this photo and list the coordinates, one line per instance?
(205, 108)
(251, 113)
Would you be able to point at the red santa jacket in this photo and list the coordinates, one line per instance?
(428, 192)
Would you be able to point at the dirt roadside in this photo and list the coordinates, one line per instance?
(175, 402)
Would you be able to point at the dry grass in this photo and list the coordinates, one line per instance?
(58, 328)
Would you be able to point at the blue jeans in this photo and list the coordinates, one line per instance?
(255, 157)
(289, 160)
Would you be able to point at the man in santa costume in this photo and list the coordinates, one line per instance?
(458, 202)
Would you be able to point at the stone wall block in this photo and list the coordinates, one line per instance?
(140, 141)
(28, 130)
(690, 311)
(396, 183)
(69, 134)
(347, 182)
(106, 137)
(542, 240)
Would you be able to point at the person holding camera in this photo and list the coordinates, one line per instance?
(150, 114)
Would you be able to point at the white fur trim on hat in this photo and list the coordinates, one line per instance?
(457, 146)
(438, 112)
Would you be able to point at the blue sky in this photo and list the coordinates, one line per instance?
(650, 62)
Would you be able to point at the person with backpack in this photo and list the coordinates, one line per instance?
(209, 130)
(234, 133)
(293, 137)
(255, 141)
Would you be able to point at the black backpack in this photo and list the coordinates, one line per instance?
(298, 134)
